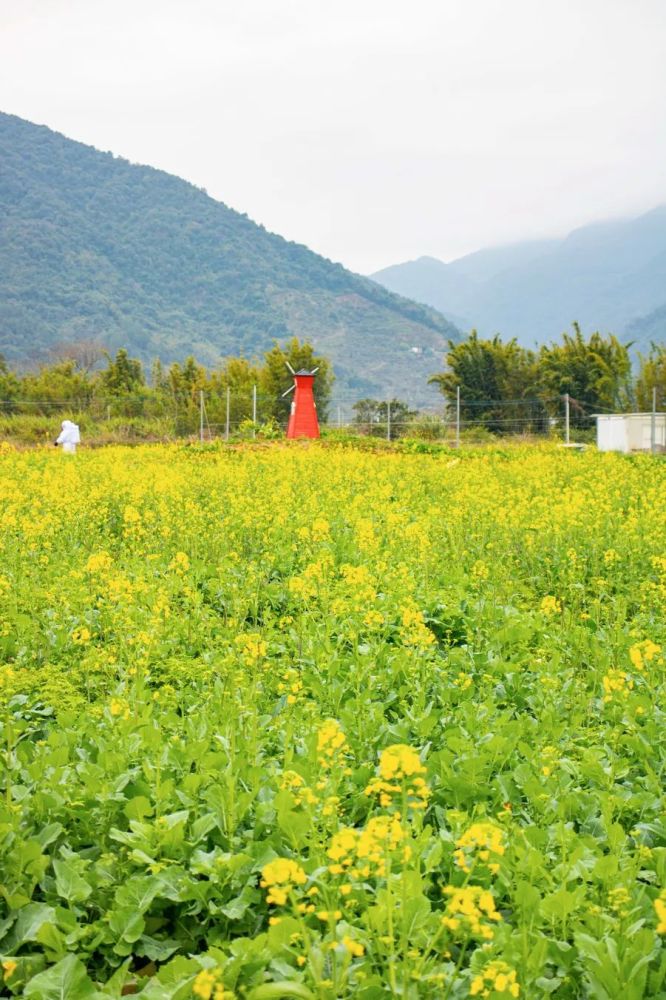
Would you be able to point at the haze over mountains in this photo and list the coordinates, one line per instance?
(92, 246)
(610, 276)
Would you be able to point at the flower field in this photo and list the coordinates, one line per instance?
(318, 723)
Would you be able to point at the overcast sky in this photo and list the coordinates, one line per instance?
(375, 131)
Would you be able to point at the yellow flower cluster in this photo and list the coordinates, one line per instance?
(414, 631)
(400, 774)
(358, 589)
(480, 842)
(291, 685)
(252, 647)
(302, 587)
(619, 900)
(280, 877)
(373, 619)
(496, 977)
(643, 653)
(119, 708)
(363, 853)
(470, 910)
(320, 530)
(99, 562)
(208, 986)
(180, 563)
(480, 570)
(355, 576)
(617, 684)
(295, 783)
(550, 605)
(131, 515)
(331, 743)
(660, 909)
(353, 947)
(9, 967)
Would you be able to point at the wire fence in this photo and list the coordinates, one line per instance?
(249, 414)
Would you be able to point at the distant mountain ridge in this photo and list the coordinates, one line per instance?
(92, 246)
(607, 276)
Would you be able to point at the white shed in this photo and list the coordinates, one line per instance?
(630, 431)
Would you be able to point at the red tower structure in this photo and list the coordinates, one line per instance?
(303, 418)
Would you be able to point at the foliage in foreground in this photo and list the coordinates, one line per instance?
(296, 722)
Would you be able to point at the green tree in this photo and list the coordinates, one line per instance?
(159, 379)
(651, 375)
(275, 378)
(596, 373)
(238, 375)
(372, 415)
(186, 381)
(123, 376)
(9, 386)
(497, 382)
(52, 385)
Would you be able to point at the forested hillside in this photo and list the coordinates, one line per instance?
(94, 247)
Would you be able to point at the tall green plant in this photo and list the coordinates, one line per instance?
(595, 372)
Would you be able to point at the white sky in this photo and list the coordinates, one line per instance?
(372, 130)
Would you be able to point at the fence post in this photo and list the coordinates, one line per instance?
(201, 416)
(566, 418)
(388, 420)
(653, 421)
(254, 410)
(226, 422)
(457, 416)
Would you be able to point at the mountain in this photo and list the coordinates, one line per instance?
(92, 246)
(605, 275)
(646, 330)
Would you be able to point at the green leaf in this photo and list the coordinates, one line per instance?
(68, 980)
(138, 893)
(30, 920)
(69, 884)
(138, 807)
(273, 991)
(127, 924)
(561, 904)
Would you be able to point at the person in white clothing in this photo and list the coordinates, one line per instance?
(69, 437)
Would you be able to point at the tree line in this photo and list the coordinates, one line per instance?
(84, 377)
(502, 383)
(503, 386)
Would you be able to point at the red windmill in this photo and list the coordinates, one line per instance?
(303, 418)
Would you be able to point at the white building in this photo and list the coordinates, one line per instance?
(630, 431)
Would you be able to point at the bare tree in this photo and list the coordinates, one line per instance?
(86, 354)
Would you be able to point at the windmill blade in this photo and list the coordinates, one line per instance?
(290, 389)
(290, 368)
(315, 370)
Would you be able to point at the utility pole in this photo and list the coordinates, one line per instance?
(254, 410)
(201, 415)
(388, 420)
(653, 421)
(566, 418)
(457, 416)
(226, 422)
(339, 418)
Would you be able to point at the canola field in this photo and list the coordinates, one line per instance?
(318, 723)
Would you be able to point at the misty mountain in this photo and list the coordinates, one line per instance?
(92, 246)
(607, 276)
(648, 330)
